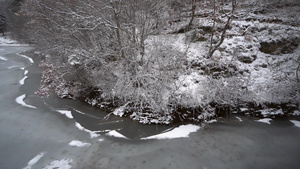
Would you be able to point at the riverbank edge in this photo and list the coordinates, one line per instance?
(199, 114)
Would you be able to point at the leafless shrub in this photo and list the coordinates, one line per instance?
(150, 84)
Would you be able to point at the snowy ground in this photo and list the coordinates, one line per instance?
(258, 62)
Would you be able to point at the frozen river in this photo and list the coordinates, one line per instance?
(58, 133)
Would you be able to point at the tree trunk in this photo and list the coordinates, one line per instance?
(193, 16)
(118, 32)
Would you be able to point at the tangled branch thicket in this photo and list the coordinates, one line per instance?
(102, 47)
(115, 53)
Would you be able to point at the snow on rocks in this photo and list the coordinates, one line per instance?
(207, 115)
(120, 111)
(296, 113)
(271, 112)
(154, 118)
(244, 109)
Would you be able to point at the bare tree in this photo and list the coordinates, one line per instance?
(193, 9)
(2, 21)
(218, 6)
(298, 70)
(102, 44)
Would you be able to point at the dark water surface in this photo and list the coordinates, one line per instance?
(35, 135)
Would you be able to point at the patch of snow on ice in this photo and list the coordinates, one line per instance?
(10, 67)
(3, 58)
(26, 57)
(114, 133)
(296, 123)
(178, 132)
(93, 134)
(239, 119)
(20, 100)
(79, 112)
(101, 139)
(265, 120)
(22, 81)
(212, 121)
(77, 143)
(61, 164)
(34, 160)
(67, 113)
(86, 114)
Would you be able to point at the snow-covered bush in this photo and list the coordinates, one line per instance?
(53, 81)
(149, 82)
(105, 50)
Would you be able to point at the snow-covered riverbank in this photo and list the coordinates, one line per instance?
(171, 76)
(254, 72)
(62, 133)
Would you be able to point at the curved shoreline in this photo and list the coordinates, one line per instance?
(35, 136)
